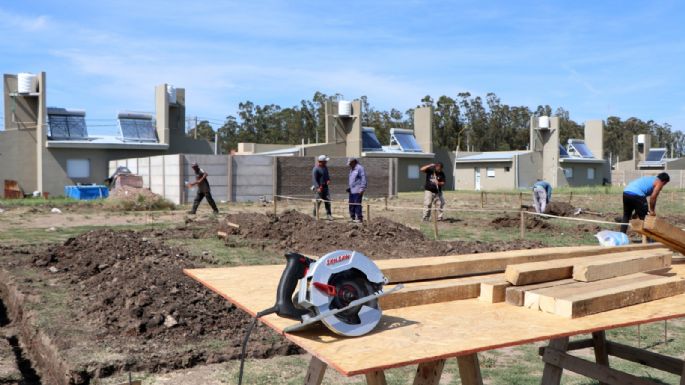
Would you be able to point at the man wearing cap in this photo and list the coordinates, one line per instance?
(320, 181)
(356, 186)
(203, 190)
(636, 193)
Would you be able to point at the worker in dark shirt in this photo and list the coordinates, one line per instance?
(320, 181)
(435, 180)
(203, 190)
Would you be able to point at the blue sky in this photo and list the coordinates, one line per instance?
(594, 58)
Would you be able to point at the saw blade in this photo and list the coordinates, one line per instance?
(359, 302)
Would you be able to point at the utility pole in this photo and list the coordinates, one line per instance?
(195, 127)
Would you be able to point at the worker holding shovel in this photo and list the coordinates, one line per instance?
(435, 179)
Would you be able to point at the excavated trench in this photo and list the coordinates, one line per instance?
(29, 376)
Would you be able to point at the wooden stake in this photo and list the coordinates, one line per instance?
(316, 208)
(275, 205)
(482, 199)
(385, 199)
(376, 378)
(368, 212)
(520, 200)
(523, 225)
(570, 197)
(435, 221)
(315, 372)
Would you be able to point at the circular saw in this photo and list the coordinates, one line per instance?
(340, 290)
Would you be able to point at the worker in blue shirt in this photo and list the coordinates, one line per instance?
(542, 194)
(356, 186)
(636, 193)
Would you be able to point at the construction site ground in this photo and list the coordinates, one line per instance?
(103, 287)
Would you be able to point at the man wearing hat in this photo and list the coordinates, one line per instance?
(203, 190)
(320, 181)
(356, 186)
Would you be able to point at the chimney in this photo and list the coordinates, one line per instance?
(423, 128)
(594, 137)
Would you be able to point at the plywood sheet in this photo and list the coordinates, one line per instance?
(416, 269)
(424, 333)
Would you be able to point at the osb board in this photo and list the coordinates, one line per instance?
(424, 333)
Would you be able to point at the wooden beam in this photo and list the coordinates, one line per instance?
(425, 268)
(645, 357)
(572, 345)
(637, 225)
(666, 230)
(469, 370)
(429, 373)
(493, 292)
(376, 378)
(551, 374)
(515, 294)
(609, 294)
(606, 268)
(603, 374)
(422, 293)
(599, 341)
(545, 271)
(222, 234)
(315, 372)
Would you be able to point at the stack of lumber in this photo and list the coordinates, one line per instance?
(662, 231)
(576, 287)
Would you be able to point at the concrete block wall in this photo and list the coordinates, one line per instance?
(294, 176)
(252, 177)
(216, 167)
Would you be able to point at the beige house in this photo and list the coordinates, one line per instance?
(648, 158)
(408, 149)
(45, 149)
(572, 164)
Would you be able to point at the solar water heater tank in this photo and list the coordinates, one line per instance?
(171, 93)
(543, 123)
(344, 108)
(26, 83)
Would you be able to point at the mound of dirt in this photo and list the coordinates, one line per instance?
(381, 238)
(133, 289)
(561, 209)
(515, 221)
(138, 199)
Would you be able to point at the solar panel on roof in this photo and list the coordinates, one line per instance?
(132, 129)
(656, 155)
(562, 152)
(370, 141)
(406, 141)
(66, 126)
(580, 148)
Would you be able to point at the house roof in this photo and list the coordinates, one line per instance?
(491, 156)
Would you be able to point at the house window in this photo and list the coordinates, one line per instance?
(568, 172)
(78, 168)
(413, 171)
(490, 172)
(591, 173)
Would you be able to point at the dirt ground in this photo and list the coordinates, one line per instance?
(380, 238)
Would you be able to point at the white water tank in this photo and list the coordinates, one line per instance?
(171, 93)
(26, 83)
(641, 139)
(344, 108)
(543, 123)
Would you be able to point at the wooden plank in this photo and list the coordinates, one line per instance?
(411, 335)
(545, 271)
(422, 293)
(551, 374)
(601, 299)
(637, 226)
(606, 268)
(589, 369)
(645, 357)
(376, 378)
(315, 372)
(469, 369)
(429, 373)
(222, 234)
(493, 292)
(674, 235)
(425, 268)
(572, 345)
(515, 294)
(545, 299)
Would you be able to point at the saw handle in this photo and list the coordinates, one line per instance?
(296, 266)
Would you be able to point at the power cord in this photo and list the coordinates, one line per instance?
(246, 339)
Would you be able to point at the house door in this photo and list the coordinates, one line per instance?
(477, 174)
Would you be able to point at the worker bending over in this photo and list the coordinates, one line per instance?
(542, 194)
(635, 197)
(203, 190)
(435, 180)
(320, 181)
